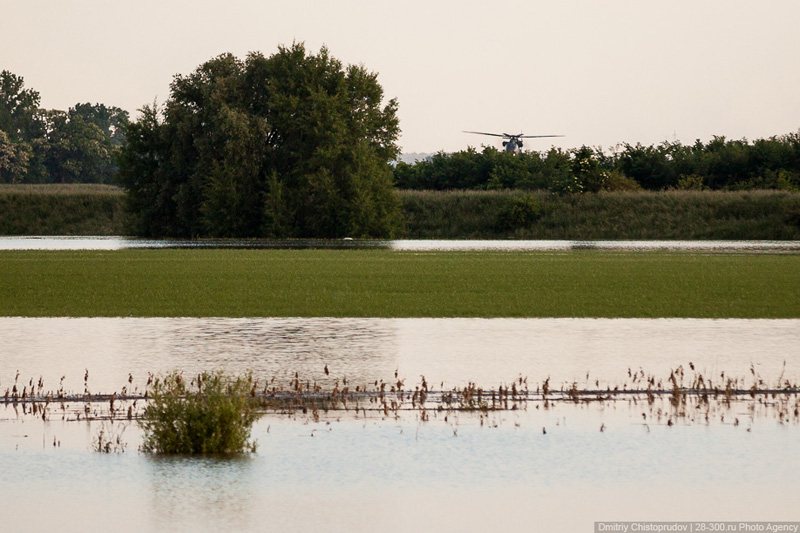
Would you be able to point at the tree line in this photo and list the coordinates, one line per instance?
(298, 144)
(39, 145)
(719, 164)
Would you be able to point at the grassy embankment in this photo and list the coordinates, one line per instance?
(381, 283)
(757, 215)
(99, 210)
(61, 210)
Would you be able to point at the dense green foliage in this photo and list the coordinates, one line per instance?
(754, 215)
(212, 414)
(70, 209)
(382, 283)
(19, 108)
(52, 146)
(294, 144)
(738, 215)
(772, 163)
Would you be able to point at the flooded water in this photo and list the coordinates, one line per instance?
(122, 243)
(357, 475)
(539, 469)
(453, 350)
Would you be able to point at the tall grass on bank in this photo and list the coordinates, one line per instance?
(384, 283)
(758, 215)
(212, 414)
(68, 209)
(753, 215)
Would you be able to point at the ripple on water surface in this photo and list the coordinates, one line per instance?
(454, 350)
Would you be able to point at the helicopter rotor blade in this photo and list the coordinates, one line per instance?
(537, 136)
(485, 133)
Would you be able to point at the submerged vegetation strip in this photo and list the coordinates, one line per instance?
(213, 413)
(685, 395)
(381, 283)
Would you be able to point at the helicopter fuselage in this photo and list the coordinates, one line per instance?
(513, 145)
(513, 142)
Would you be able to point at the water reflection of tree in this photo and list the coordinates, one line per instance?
(360, 349)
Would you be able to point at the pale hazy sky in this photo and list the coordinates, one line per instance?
(599, 71)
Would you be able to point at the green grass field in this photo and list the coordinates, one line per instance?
(380, 283)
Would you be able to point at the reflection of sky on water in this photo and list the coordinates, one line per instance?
(362, 475)
(112, 348)
(209, 493)
(395, 475)
(487, 351)
(496, 350)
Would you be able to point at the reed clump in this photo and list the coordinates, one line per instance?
(109, 439)
(211, 414)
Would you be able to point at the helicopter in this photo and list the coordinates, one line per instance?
(514, 142)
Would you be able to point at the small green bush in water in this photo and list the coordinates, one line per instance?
(211, 415)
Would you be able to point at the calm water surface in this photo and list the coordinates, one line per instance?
(537, 470)
(121, 243)
(347, 474)
(453, 350)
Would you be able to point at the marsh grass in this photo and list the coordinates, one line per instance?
(109, 439)
(61, 189)
(67, 209)
(630, 215)
(87, 209)
(210, 415)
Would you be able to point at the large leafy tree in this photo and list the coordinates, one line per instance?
(13, 159)
(20, 125)
(75, 150)
(43, 146)
(19, 109)
(82, 144)
(295, 144)
(109, 119)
